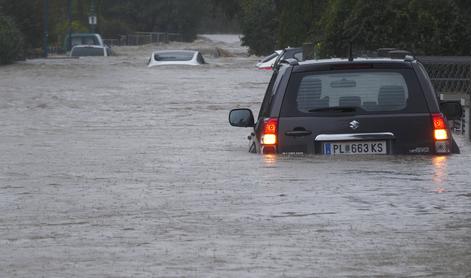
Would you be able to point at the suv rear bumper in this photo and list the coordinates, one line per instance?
(355, 137)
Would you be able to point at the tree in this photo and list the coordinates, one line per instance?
(174, 16)
(11, 41)
(431, 27)
(230, 8)
(440, 27)
(27, 16)
(116, 17)
(299, 21)
(259, 23)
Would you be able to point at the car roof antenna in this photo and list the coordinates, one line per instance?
(350, 51)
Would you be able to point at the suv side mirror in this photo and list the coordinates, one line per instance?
(241, 118)
(451, 109)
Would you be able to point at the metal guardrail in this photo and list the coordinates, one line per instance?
(459, 126)
(138, 38)
(141, 38)
(449, 74)
(451, 77)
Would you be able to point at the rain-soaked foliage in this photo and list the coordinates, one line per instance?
(11, 41)
(429, 27)
(117, 17)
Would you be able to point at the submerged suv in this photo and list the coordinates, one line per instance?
(361, 106)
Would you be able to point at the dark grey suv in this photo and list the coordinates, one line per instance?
(367, 106)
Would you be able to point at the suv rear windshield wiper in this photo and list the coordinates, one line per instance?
(339, 109)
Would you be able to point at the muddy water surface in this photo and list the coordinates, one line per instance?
(111, 169)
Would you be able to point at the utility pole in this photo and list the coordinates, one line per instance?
(168, 22)
(69, 25)
(468, 122)
(92, 18)
(46, 27)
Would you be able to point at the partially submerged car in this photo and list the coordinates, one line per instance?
(90, 50)
(340, 106)
(270, 62)
(176, 57)
(83, 39)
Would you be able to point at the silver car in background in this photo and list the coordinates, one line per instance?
(176, 57)
(90, 50)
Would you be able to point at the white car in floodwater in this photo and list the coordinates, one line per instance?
(268, 62)
(176, 57)
(90, 50)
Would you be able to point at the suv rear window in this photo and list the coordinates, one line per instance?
(85, 40)
(174, 56)
(368, 91)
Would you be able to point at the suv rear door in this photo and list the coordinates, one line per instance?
(383, 109)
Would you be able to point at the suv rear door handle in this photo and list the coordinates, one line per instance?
(298, 133)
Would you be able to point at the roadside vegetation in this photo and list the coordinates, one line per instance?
(431, 27)
(11, 41)
(115, 18)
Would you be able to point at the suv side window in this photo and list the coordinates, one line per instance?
(271, 90)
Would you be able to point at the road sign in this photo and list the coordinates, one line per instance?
(92, 20)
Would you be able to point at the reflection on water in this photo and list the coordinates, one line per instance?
(270, 160)
(440, 172)
(148, 162)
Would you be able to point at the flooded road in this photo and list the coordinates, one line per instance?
(111, 169)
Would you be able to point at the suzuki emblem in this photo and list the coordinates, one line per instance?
(354, 124)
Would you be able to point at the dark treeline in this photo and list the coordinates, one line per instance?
(432, 27)
(22, 21)
(115, 17)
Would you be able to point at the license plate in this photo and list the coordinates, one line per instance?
(363, 147)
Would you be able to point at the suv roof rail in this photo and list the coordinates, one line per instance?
(409, 58)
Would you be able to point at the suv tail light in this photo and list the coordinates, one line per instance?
(269, 137)
(440, 133)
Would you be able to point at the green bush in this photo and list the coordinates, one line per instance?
(259, 24)
(11, 41)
